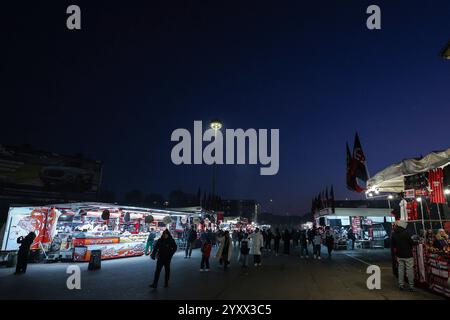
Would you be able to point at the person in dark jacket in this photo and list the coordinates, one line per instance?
(351, 237)
(329, 240)
(24, 251)
(303, 244)
(277, 238)
(286, 241)
(310, 234)
(268, 244)
(402, 246)
(150, 242)
(295, 237)
(163, 252)
(190, 241)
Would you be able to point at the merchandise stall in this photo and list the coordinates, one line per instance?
(72, 231)
(423, 187)
(366, 223)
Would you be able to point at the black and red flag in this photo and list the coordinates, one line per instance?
(359, 160)
(351, 182)
(332, 199)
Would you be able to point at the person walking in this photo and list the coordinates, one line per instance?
(317, 244)
(190, 243)
(329, 240)
(294, 238)
(277, 239)
(310, 235)
(257, 245)
(351, 237)
(269, 240)
(234, 236)
(163, 252)
(240, 237)
(150, 242)
(304, 244)
(264, 236)
(286, 241)
(244, 251)
(206, 253)
(225, 250)
(24, 251)
(402, 245)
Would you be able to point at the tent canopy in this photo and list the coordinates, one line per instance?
(391, 179)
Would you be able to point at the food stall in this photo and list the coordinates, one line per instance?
(423, 187)
(72, 231)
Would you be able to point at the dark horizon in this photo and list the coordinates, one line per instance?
(116, 89)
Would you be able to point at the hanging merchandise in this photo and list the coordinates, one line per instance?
(411, 209)
(417, 181)
(446, 172)
(436, 185)
(404, 210)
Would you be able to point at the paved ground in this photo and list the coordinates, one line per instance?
(282, 277)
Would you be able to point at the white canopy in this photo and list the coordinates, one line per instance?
(391, 179)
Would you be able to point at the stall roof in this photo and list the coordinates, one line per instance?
(356, 212)
(98, 205)
(391, 179)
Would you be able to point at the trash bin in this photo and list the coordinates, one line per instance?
(11, 260)
(95, 262)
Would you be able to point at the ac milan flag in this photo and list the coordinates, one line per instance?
(352, 184)
(359, 160)
(332, 199)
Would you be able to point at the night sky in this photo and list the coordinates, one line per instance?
(116, 90)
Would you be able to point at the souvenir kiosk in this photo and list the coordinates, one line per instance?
(72, 231)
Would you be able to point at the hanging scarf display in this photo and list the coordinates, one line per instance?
(436, 185)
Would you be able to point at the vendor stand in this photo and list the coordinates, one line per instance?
(72, 231)
(423, 186)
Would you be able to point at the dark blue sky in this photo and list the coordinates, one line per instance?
(138, 70)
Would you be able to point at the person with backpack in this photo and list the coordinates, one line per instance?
(245, 250)
(163, 252)
(206, 252)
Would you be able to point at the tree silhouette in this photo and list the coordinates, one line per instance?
(134, 198)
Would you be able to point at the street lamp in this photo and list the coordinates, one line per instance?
(216, 125)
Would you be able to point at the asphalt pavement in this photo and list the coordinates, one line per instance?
(280, 277)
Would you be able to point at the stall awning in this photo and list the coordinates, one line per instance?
(391, 179)
(355, 212)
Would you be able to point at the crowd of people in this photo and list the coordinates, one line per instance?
(254, 244)
(248, 244)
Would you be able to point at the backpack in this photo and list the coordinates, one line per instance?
(244, 247)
